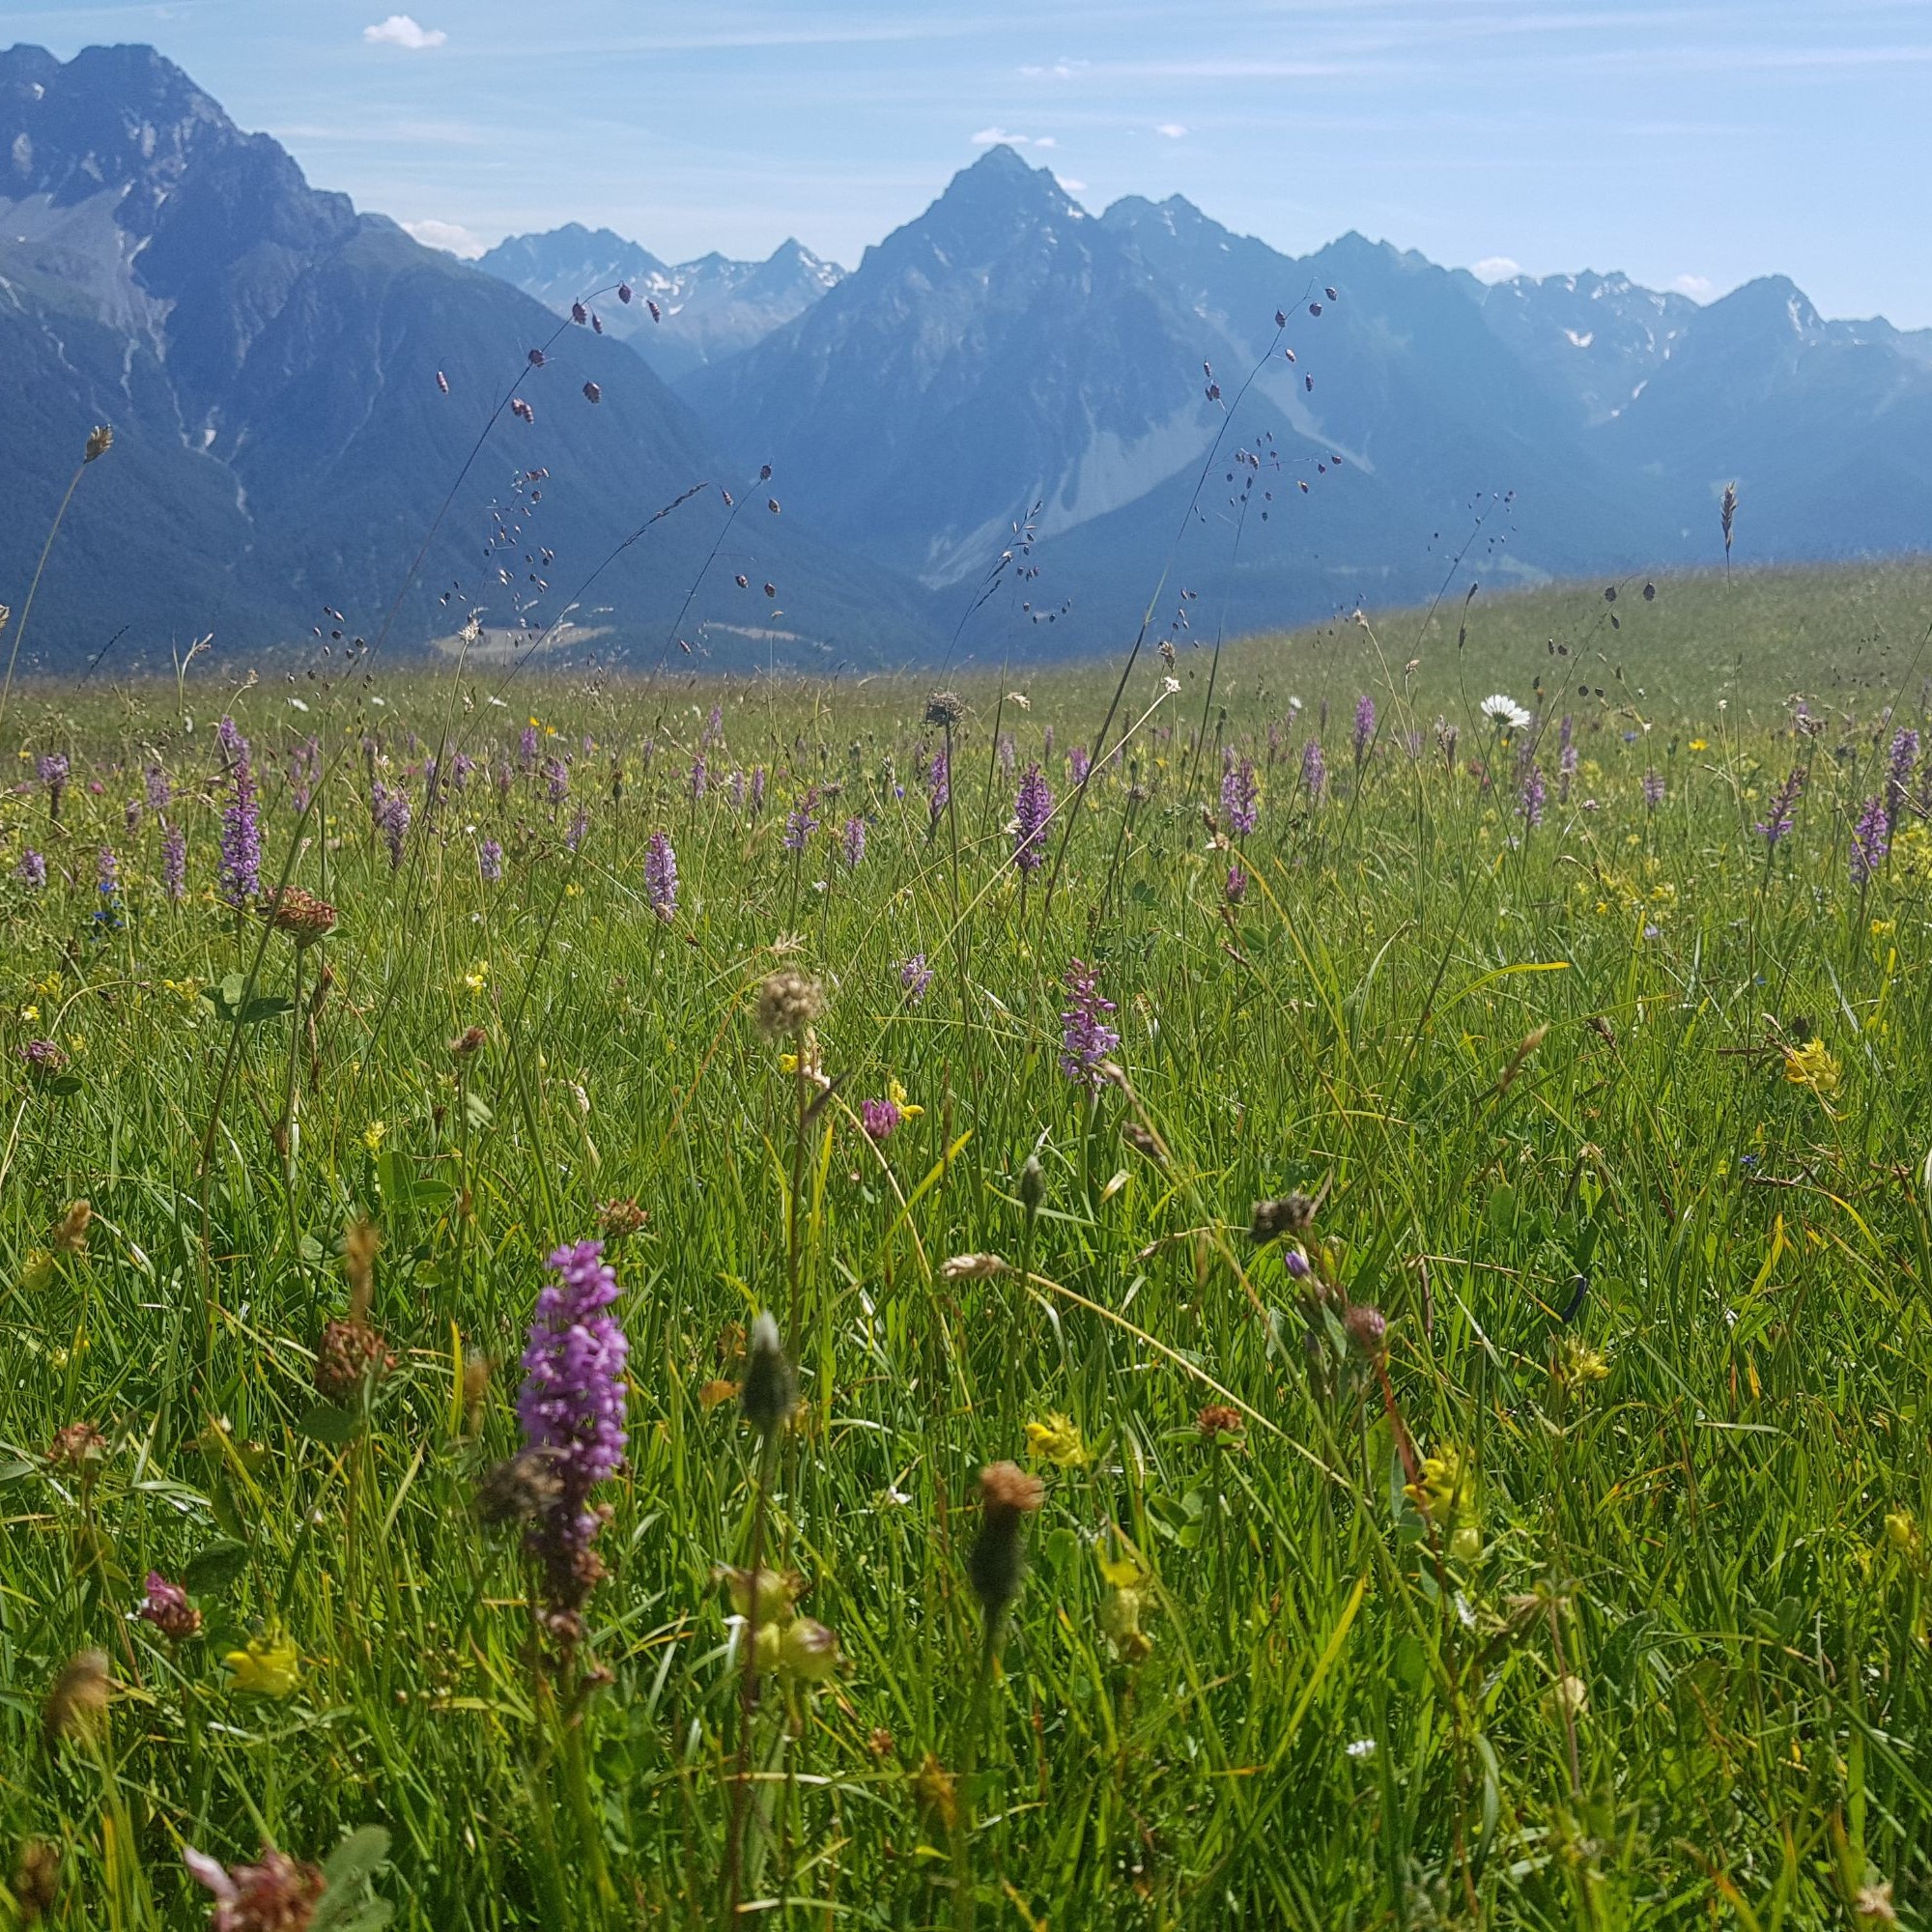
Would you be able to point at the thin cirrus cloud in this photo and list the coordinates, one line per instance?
(1171, 129)
(999, 137)
(400, 30)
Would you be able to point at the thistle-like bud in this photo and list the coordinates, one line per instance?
(350, 1357)
(1291, 1215)
(944, 708)
(1368, 1328)
(468, 1041)
(1032, 1185)
(768, 1389)
(100, 440)
(1008, 1496)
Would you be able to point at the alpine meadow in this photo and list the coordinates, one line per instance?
(701, 1226)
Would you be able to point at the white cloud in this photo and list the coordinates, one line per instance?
(451, 237)
(1045, 141)
(399, 30)
(1061, 70)
(1173, 129)
(1496, 268)
(996, 138)
(1699, 288)
(1071, 185)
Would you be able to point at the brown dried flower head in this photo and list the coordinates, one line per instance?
(36, 1880)
(616, 1218)
(76, 1445)
(1291, 1215)
(100, 440)
(299, 913)
(787, 1003)
(468, 1041)
(1217, 1419)
(69, 1236)
(79, 1694)
(945, 709)
(352, 1356)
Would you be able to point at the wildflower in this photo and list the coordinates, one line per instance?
(270, 1666)
(31, 870)
(579, 826)
(489, 862)
(786, 1003)
(1032, 1185)
(478, 976)
(880, 1118)
(619, 1218)
(661, 876)
(1778, 820)
(240, 868)
(1368, 1328)
(53, 770)
(276, 1895)
(1571, 1695)
(1008, 1496)
(1446, 1496)
(1087, 1041)
(1505, 714)
(807, 1651)
(945, 709)
(854, 842)
(1291, 1215)
(1033, 807)
(1872, 1905)
(1365, 724)
(698, 781)
(800, 824)
(1216, 1419)
(373, 1135)
(1236, 888)
(393, 816)
(167, 1607)
(1534, 793)
(107, 872)
(78, 1695)
(174, 863)
(1314, 769)
(572, 1405)
(1653, 791)
(1078, 764)
(44, 1060)
(1056, 1440)
(1871, 839)
(915, 975)
(1811, 1065)
(1577, 1364)
(1240, 798)
(1902, 1532)
(1899, 761)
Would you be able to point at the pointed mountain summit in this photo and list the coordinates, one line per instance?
(293, 385)
(707, 310)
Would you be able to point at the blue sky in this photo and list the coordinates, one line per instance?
(1691, 144)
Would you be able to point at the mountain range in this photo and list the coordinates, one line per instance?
(1008, 392)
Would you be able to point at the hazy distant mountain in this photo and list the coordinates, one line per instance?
(707, 310)
(269, 360)
(1007, 347)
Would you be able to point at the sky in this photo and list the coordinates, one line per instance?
(1690, 145)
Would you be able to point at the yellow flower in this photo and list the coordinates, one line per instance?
(186, 991)
(38, 1272)
(372, 1134)
(270, 1667)
(1811, 1066)
(1446, 1496)
(1901, 1531)
(1881, 927)
(1578, 1363)
(573, 890)
(1056, 1440)
(896, 1094)
(1700, 744)
(478, 976)
(30, 1013)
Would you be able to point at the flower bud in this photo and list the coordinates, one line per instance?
(770, 1387)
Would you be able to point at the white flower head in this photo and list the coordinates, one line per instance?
(1504, 712)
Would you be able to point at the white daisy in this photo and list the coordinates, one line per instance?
(1504, 712)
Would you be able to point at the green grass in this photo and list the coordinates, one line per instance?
(1663, 1665)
